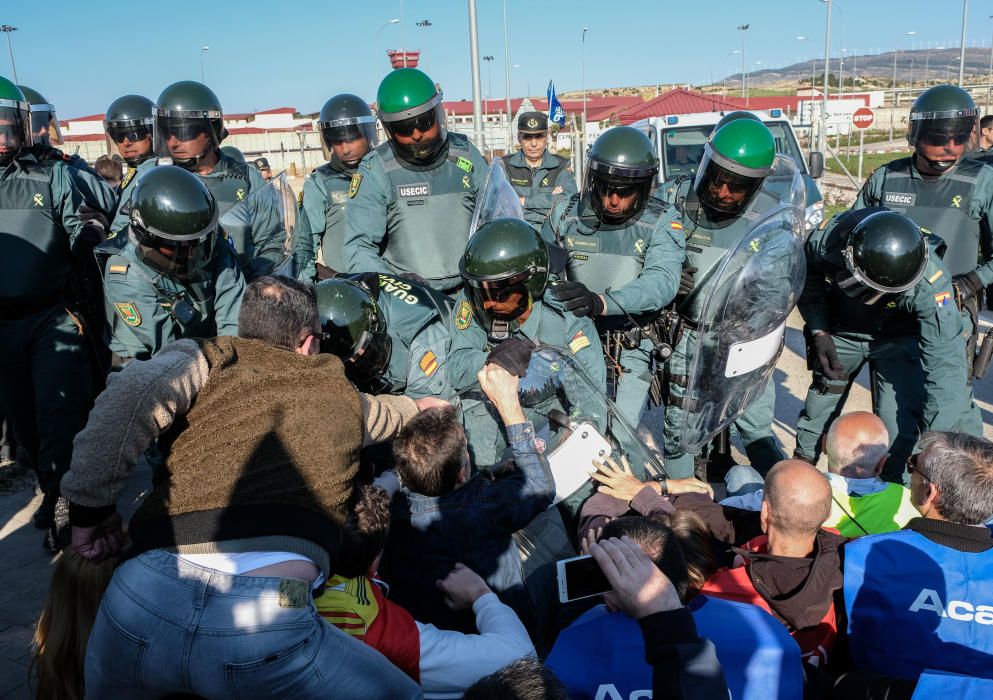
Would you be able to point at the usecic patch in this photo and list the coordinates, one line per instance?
(129, 312)
(464, 316)
(353, 186)
(464, 163)
(428, 363)
(578, 342)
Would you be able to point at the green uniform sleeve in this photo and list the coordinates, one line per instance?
(981, 208)
(942, 349)
(311, 225)
(467, 350)
(589, 354)
(657, 283)
(567, 181)
(812, 304)
(229, 287)
(139, 326)
(95, 191)
(427, 373)
(268, 227)
(66, 200)
(869, 195)
(365, 218)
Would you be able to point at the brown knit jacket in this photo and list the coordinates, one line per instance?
(269, 449)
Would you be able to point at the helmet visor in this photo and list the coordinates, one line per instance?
(372, 354)
(499, 302)
(721, 190)
(418, 137)
(862, 288)
(347, 135)
(616, 198)
(186, 261)
(14, 130)
(185, 138)
(959, 130)
(45, 125)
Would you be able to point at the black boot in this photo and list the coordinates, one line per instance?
(58, 535)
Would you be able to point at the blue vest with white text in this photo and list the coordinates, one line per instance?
(913, 605)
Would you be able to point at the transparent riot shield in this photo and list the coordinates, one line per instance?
(574, 422)
(739, 338)
(497, 200)
(260, 229)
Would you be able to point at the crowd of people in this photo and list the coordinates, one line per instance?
(356, 428)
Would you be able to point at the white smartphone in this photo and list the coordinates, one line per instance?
(580, 577)
(572, 461)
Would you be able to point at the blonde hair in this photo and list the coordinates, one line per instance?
(63, 629)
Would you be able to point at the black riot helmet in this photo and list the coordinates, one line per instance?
(353, 327)
(621, 163)
(44, 122)
(885, 254)
(941, 115)
(505, 270)
(174, 223)
(346, 118)
(128, 123)
(189, 123)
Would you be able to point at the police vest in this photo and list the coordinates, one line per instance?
(229, 186)
(602, 655)
(937, 601)
(874, 513)
(940, 206)
(537, 200)
(736, 584)
(429, 213)
(602, 256)
(408, 308)
(334, 186)
(33, 244)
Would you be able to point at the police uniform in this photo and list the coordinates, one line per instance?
(548, 323)
(635, 266)
(320, 231)
(914, 344)
(417, 321)
(147, 310)
(259, 247)
(706, 246)
(94, 189)
(46, 382)
(538, 187)
(404, 219)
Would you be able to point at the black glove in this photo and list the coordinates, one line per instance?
(578, 299)
(94, 230)
(827, 357)
(967, 286)
(513, 355)
(686, 281)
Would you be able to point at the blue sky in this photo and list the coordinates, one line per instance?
(82, 56)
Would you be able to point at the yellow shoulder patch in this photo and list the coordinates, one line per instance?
(578, 342)
(129, 312)
(464, 316)
(119, 269)
(353, 186)
(428, 363)
(935, 277)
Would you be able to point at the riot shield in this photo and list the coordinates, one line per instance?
(574, 424)
(497, 199)
(753, 289)
(260, 229)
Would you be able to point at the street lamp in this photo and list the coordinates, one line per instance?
(583, 139)
(744, 76)
(489, 79)
(822, 135)
(813, 65)
(506, 78)
(989, 78)
(203, 76)
(7, 29)
(424, 24)
(965, 17)
(384, 25)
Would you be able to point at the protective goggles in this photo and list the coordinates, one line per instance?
(134, 134)
(422, 123)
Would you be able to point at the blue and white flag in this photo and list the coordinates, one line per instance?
(556, 114)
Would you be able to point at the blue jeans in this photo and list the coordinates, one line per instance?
(168, 626)
(742, 479)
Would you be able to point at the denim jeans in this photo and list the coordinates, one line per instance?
(742, 479)
(168, 626)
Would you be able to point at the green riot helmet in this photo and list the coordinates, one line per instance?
(733, 116)
(344, 122)
(505, 270)
(353, 327)
(174, 223)
(44, 123)
(189, 123)
(128, 123)
(15, 121)
(736, 160)
(620, 172)
(943, 116)
(410, 109)
(234, 154)
(886, 254)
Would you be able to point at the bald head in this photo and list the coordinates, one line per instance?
(798, 498)
(856, 445)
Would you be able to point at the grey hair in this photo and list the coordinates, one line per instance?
(961, 466)
(855, 454)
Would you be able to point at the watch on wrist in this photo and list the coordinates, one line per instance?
(663, 485)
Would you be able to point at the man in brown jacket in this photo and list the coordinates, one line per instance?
(244, 518)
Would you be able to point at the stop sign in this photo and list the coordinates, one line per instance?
(862, 118)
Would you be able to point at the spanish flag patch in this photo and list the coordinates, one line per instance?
(429, 363)
(578, 342)
(676, 225)
(942, 299)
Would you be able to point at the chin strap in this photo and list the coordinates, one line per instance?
(190, 163)
(939, 165)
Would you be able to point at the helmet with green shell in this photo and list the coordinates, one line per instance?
(15, 121)
(736, 160)
(409, 106)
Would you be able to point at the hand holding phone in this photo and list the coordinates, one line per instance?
(580, 577)
(639, 588)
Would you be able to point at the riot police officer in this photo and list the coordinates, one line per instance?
(503, 311)
(46, 382)
(945, 193)
(392, 334)
(737, 158)
(128, 123)
(411, 201)
(538, 177)
(625, 249)
(348, 132)
(188, 130)
(878, 291)
(175, 276)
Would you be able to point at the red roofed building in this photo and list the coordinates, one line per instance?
(678, 101)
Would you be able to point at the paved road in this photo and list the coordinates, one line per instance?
(27, 567)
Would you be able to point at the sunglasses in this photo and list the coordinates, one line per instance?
(607, 189)
(935, 138)
(185, 132)
(912, 467)
(422, 122)
(134, 135)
